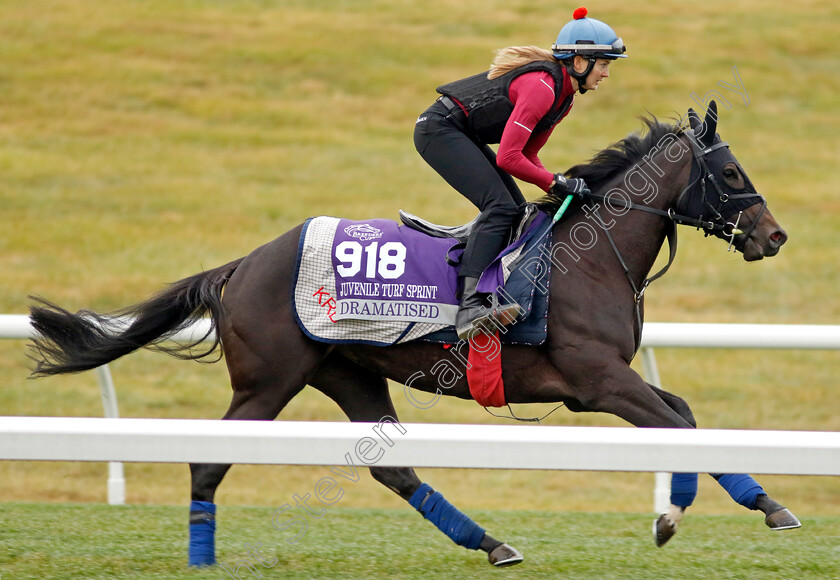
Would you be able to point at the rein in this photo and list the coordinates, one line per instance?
(639, 291)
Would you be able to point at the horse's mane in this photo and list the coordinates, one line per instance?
(613, 160)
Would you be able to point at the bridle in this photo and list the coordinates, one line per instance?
(715, 225)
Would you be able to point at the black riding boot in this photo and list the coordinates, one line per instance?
(473, 316)
(471, 310)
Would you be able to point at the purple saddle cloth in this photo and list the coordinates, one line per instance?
(379, 282)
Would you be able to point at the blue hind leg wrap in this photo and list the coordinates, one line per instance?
(683, 489)
(743, 488)
(457, 526)
(202, 533)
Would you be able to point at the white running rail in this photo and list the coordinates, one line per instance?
(655, 335)
(389, 443)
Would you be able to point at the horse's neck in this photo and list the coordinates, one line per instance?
(655, 182)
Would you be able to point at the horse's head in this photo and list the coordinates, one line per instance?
(721, 193)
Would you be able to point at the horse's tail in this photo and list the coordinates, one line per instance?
(71, 343)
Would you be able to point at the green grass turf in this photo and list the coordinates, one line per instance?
(86, 541)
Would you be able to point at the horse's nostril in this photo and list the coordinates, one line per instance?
(778, 238)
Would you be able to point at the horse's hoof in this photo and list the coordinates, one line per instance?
(504, 555)
(663, 530)
(782, 519)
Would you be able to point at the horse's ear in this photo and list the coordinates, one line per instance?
(694, 119)
(710, 124)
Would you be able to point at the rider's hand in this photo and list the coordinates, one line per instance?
(569, 186)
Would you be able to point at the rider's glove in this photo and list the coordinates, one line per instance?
(569, 186)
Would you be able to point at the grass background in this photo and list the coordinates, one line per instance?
(92, 542)
(143, 141)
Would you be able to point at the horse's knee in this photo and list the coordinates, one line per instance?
(401, 480)
(685, 412)
(682, 409)
(676, 403)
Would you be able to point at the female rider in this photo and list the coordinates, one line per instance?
(517, 104)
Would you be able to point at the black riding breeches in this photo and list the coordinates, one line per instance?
(470, 167)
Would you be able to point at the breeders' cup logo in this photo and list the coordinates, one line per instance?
(363, 232)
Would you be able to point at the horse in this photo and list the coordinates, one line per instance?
(642, 187)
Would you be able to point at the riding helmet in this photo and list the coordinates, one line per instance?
(589, 38)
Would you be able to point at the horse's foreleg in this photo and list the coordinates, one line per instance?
(683, 485)
(746, 491)
(741, 487)
(619, 390)
(676, 403)
(776, 516)
(364, 396)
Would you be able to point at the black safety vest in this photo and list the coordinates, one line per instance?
(488, 105)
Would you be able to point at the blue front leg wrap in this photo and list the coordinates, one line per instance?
(743, 488)
(458, 527)
(202, 533)
(683, 488)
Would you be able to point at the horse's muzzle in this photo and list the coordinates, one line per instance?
(764, 237)
(760, 245)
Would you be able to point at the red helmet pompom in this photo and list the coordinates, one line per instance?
(580, 13)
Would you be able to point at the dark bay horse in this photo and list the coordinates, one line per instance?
(602, 254)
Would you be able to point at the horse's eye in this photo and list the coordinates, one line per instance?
(730, 173)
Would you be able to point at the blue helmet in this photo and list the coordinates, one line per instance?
(589, 38)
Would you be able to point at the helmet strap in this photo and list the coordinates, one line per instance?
(580, 77)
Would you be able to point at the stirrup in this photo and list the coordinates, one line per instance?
(489, 321)
(505, 314)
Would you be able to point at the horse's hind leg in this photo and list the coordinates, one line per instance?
(364, 397)
(269, 364)
(245, 406)
(206, 477)
(259, 405)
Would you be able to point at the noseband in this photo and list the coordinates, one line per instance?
(718, 224)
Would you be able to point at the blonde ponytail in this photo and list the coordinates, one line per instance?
(513, 57)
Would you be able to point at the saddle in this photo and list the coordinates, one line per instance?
(462, 232)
